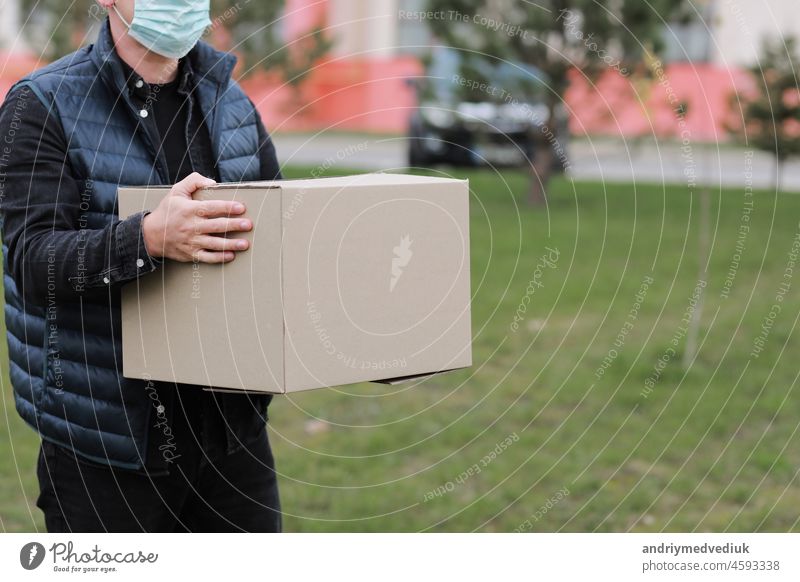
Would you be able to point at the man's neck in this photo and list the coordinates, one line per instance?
(152, 67)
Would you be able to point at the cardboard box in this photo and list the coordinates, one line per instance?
(348, 279)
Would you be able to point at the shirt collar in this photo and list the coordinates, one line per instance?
(138, 87)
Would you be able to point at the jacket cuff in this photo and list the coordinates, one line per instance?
(131, 248)
(129, 261)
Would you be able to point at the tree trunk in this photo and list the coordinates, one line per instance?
(703, 249)
(541, 169)
(542, 164)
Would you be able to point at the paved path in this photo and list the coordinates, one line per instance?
(601, 159)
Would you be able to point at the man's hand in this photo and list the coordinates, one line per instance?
(185, 230)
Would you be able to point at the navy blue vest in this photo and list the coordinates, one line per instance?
(66, 360)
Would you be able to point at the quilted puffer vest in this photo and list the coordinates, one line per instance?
(66, 362)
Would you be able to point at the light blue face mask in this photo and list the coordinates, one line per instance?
(170, 28)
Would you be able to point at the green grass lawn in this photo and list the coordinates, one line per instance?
(642, 446)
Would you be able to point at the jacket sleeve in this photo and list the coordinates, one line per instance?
(51, 255)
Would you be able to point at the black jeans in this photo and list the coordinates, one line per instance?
(205, 492)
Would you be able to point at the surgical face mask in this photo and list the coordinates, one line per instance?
(170, 28)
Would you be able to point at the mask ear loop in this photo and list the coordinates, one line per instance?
(122, 18)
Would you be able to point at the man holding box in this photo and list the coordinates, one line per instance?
(148, 103)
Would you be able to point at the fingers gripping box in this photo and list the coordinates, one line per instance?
(347, 279)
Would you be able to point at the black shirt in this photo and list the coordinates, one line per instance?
(172, 117)
(177, 129)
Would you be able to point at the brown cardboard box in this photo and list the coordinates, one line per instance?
(349, 279)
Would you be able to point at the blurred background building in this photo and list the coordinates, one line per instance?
(360, 85)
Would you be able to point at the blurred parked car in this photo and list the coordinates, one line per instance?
(487, 116)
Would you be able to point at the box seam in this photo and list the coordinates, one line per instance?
(284, 388)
